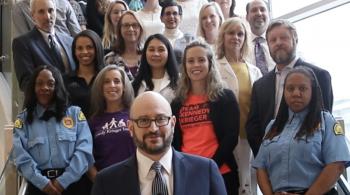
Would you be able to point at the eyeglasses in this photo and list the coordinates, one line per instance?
(128, 25)
(168, 14)
(160, 121)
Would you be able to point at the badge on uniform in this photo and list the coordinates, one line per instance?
(18, 123)
(338, 130)
(81, 116)
(68, 122)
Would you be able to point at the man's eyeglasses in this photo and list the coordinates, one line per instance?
(160, 121)
(168, 14)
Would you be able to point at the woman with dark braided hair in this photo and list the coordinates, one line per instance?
(304, 150)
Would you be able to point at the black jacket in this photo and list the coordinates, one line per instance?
(224, 114)
(262, 105)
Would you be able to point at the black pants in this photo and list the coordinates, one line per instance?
(81, 187)
(231, 180)
(330, 192)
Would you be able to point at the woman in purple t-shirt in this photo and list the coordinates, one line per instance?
(111, 98)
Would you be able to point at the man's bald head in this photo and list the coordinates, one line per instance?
(151, 124)
(148, 101)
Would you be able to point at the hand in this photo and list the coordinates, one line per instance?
(91, 173)
(57, 185)
(50, 189)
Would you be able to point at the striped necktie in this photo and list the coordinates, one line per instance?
(159, 186)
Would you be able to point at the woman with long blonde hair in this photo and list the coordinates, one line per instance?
(231, 50)
(210, 20)
(207, 113)
(114, 12)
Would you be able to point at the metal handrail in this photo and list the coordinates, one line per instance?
(344, 185)
(2, 176)
(23, 188)
(22, 184)
(9, 178)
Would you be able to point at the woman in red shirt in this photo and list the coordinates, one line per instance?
(207, 113)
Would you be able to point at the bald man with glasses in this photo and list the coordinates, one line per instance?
(156, 168)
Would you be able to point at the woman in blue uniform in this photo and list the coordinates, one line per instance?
(304, 150)
(52, 142)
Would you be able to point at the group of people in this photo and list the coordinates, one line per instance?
(90, 122)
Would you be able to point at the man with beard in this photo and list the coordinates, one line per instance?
(43, 45)
(267, 92)
(258, 16)
(157, 168)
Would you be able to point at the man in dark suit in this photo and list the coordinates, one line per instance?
(267, 92)
(151, 125)
(42, 45)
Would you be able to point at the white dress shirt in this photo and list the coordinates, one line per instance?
(251, 56)
(146, 175)
(280, 77)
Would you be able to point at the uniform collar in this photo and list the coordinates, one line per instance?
(293, 115)
(39, 109)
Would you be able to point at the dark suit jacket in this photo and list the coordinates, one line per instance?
(224, 114)
(192, 175)
(94, 19)
(262, 106)
(31, 50)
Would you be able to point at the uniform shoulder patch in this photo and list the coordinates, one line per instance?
(337, 129)
(68, 122)
(81, 116)
(18, 123)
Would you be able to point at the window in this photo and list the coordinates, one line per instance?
(324, 40)
(281, 7)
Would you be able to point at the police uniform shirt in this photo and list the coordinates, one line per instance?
(51, 145)
(295, 163)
